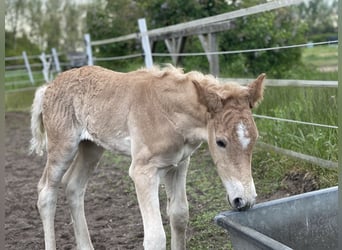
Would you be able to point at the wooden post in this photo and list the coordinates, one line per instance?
(175, 45)
(46, 66)
(339, 94)
(145, 43)
(28, 67)
(56, 60)
(88, 49)
(209, 45)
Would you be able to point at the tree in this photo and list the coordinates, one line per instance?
(113, 18)
(277, 28)
(47, 23)
(52, 24)
(14, 12)
(105, 21)
(321, 19)
(23, 43)
(270, 29)
(161, 13)
(73, 26)
(34, 14)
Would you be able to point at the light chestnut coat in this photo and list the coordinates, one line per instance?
(157, 116)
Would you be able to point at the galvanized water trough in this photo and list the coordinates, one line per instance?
(305, 221)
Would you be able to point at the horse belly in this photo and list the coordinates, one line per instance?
(175, 158)
(120, 143)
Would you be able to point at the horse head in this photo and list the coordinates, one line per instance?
(232, 135)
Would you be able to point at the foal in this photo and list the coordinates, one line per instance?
(159, 118)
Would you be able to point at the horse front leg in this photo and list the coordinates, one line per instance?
(146, 180)
(177, 204)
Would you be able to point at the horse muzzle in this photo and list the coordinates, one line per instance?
(241, 204)
(240, 197)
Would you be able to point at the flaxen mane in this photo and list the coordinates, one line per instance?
(211, 83)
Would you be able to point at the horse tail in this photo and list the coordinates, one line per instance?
(38, 141)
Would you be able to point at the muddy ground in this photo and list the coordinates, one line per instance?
(111, 208)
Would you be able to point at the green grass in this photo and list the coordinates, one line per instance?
(16, 79)
(269, 169)
(315, 105)
(207, 196)
(19, 101)
(321, 56)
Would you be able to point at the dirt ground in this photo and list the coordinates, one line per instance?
(121, 229)
(111, 208)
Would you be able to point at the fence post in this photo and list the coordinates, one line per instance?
(88, 49)
(28, 67)
(145, 43)
(56, 60)
(209, 44)
(46, 66)
(175, 46)
(339, 94)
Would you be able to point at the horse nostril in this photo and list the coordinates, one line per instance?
(238, 203)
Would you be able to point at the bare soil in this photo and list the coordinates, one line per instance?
(112, 211)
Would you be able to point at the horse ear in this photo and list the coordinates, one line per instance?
(208, 98)
(256, 90)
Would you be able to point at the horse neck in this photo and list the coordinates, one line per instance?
(184, 110)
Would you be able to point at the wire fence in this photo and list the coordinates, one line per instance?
(247, 50)
(272, 82)
(155, 54)
(20, 70)
(295, 121)
(33, 70)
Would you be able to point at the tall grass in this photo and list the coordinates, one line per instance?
(314, 105)
(321, 56)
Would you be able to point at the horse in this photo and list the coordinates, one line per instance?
(159, 117)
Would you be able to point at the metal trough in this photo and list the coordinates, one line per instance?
(305, 221)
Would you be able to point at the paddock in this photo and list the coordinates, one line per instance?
(110, 202)
(111, 206)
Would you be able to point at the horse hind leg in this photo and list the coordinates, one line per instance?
(75, 181)
(60, 156)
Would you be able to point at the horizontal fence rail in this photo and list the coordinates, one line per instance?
(102, 59)
(295, 121)
(302, 45)
(285, 82)
(27, 71)
(204, 21)
(308, 158)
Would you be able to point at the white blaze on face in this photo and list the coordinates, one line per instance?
(243, 135)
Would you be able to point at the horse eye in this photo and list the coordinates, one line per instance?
(221, 143)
